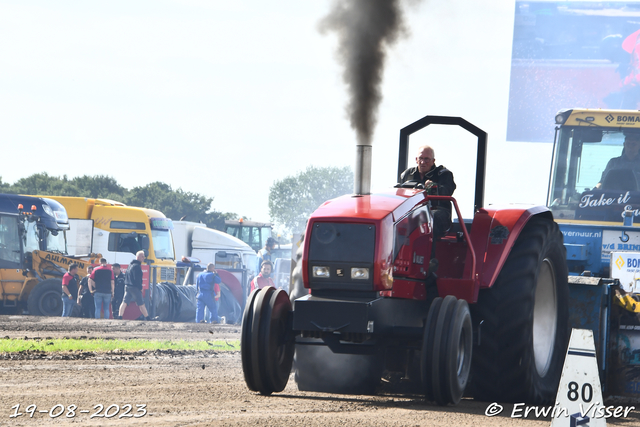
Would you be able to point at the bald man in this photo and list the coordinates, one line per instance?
(437, 177)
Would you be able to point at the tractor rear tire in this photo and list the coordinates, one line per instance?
(45, 299)
(524, 331)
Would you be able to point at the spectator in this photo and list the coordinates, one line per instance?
(205, 284)
(264, 254)
(133, 287)
(264, 278)
(69, 289)
(85, 297)
(118, 295)
(102, 285)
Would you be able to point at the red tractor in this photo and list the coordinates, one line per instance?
(494, 315)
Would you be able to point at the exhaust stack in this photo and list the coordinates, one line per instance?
(362, 179)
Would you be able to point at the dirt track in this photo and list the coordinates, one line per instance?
(193, 388)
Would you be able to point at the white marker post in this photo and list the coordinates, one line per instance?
(579, 399)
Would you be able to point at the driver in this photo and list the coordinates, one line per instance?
(437, 180)
(630, 158)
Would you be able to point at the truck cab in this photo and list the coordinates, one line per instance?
(118, 231)
(29, 224)
(253, 233)
(594, 190)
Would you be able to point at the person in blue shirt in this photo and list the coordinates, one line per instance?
(264, 254)
(206, 284)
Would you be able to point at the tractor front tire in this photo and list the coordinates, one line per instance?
(266, 346)
(45, 299)
(523, 319)
(446, 350)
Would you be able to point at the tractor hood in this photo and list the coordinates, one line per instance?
(371, 206)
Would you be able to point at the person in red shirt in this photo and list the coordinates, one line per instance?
(69, 289)
(264, 277)
(101, 284)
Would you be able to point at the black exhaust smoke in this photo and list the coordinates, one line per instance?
(365, 29)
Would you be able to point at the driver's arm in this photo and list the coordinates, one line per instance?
(610, 165)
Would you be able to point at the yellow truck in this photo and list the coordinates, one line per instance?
(118, 231)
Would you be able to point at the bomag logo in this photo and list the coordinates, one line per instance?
(620, 263)
(627, 119)
(64, 261)
(609, 118)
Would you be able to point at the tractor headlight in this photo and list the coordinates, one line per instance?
(322, 272)
(360, 273)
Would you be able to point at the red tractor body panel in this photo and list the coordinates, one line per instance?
(494, 232)
(399, 270)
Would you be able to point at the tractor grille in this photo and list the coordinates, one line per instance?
(339, 247)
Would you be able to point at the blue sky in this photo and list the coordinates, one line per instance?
(222, 98)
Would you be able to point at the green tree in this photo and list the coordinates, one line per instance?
(293, 199)
(5, 187)
(43, 184)
(100, 187)
(175, 204)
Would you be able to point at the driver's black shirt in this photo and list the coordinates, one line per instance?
(622, 162)
(440, 175)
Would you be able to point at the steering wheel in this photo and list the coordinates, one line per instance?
(410, 184)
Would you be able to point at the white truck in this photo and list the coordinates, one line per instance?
(235, 261)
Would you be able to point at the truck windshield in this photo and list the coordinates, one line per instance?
(592, 178)
(31, 239)
(55, 239)
(162, 244)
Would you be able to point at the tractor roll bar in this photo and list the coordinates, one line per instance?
(481, 158)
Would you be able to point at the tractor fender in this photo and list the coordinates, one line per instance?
(494, 232)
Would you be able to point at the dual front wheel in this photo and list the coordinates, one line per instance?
(266, 348)
(446, 350)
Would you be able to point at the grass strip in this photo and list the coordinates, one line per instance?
(11, 345)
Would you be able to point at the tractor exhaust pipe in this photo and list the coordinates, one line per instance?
(362, 179)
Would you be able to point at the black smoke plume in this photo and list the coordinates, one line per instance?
(365, 29)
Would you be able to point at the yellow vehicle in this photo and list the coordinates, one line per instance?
(118, 231)
(33, 254)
